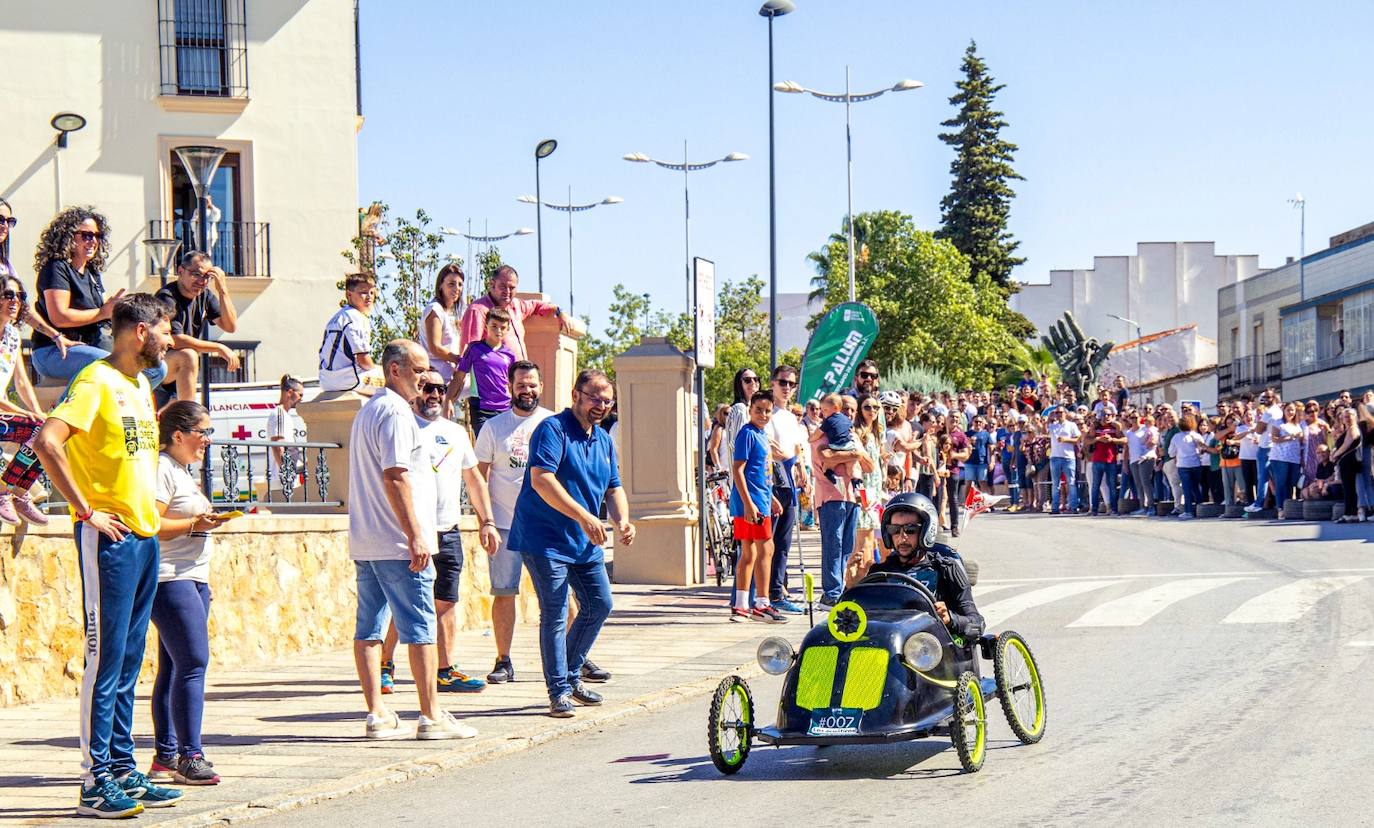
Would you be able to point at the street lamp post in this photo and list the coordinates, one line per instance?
(483, 239)
(163, 252)
(686, 167)
(201, 164)
(543, 150)
(770, 10)
(1301, 204)
(848, 98)
(570, 208)
(1139, 356)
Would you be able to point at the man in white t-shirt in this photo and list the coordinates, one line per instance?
(346, 352)
(1064, 439)
(282, 426)
(502, 455)
(450, 455)
(787, 439)
(1270, 412)
(392, 507)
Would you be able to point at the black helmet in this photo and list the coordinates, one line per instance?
(927, 518)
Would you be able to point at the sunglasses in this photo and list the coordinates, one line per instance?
(433, 388)
(868, 375)
(87, 236)
(873, 408)
(909, 529)
(749, 379)
(204, 432)
(11, 295)
(8, 221)
(786, 383)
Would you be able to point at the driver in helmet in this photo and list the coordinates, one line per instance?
(908, 531)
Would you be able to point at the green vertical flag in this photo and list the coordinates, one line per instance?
(838, 344)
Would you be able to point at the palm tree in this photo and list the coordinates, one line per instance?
(820, 259)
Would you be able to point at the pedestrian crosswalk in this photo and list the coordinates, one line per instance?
(1132, 601)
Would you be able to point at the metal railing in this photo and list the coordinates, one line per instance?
(239, 248)
(236, 460)
(1250, 372)
(203, 48)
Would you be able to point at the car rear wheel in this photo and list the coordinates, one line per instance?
(969, 728)
(1019, 687)
(729, 730)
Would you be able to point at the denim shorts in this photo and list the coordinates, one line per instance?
(975, 472)
(389, 588)
(505, 567)
(448, 565)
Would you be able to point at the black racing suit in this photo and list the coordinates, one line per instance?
(942, 570)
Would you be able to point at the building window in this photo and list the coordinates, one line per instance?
(204, 48)
(1299, 343)
(236, 246)
(248, 364)
(1358, 312)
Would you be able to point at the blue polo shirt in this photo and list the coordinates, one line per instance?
(751, 446)
(586, 465)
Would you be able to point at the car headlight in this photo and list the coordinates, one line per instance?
(922, 651)
(775, 655)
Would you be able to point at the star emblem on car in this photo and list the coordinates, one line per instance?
(847, 621)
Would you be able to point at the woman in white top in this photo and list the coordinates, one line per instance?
(1186, 449)
(1285, 453)
(181, 607)
(1141, 438)
(438, 333)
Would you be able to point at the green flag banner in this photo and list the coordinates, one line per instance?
(838, 344)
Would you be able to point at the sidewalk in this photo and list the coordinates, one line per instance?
(291, 734)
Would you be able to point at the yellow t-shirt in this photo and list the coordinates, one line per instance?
(113, 446)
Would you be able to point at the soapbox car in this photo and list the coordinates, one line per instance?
(882, 668)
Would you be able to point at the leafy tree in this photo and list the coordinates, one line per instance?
(931, 310)
(974, 214)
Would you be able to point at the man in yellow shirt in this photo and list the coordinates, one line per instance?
(99, 447)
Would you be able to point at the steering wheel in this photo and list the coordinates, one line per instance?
(898, 578)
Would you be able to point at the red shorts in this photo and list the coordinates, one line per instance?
(746, 531)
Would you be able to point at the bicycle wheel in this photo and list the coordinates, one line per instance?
(1019, 687)
(969, 727)
(728, 733)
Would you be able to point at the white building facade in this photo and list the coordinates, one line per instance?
(273, 83)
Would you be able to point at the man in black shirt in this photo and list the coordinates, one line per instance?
(908, 532)
(201, 298)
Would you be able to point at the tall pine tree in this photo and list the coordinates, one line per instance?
(974, 214)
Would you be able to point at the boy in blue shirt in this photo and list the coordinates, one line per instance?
(752, 506)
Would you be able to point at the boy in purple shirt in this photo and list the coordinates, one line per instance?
(488, 360)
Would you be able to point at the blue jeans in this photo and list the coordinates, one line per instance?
(783, 524)
(1191, 478)
(1262, 476)
(1065, 467)
(181, 611)
(564, 651)
(49, 362)
(1285, 477)
(1103, 470)
(839, 521)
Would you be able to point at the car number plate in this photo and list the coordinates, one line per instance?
(835, 721)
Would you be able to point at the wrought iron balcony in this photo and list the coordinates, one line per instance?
(1249, 373)
(239, 248)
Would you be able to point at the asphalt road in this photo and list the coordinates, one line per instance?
(1215, 672)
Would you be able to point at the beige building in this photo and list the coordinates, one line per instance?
(1250, 333)
(274, 83)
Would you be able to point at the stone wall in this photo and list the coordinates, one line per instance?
(282, 586)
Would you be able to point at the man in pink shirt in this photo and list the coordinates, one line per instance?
(838, 513)
(501, 294)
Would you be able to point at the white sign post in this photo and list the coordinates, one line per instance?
(705, 272)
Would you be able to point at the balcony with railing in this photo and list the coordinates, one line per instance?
(239, 248)
(1250, 373)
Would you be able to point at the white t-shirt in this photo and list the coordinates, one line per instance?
(184, 558)
(898, 458)
(1101, 405)
(291, 428)
(1270, 416)
(450, 453)
(448, 337)
(1136, 440)
(347, 333)
(1060, 432)
(385, 436)
(1249, 445)
(1183, 448)
(787, 431)
(9, 355)
(504, 443)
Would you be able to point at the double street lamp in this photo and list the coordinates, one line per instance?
(482, 239)
(570, 208)
(686, 167)
(847, 99)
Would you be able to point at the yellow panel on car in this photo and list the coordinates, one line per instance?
(816, 679)
(863, 684)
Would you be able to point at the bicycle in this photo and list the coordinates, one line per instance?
(720, 543)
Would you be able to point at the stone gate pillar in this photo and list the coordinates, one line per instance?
(654, 386)
(555, 352)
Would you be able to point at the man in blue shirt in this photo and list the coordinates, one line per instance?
(980, 451)
(572, 468)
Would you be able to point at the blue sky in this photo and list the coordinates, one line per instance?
(1155, 122)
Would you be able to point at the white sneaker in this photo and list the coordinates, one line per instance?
(445, 727)
(1252, 508)
(386, 727)
(1184, 516)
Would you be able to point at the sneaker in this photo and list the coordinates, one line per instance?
(824, 607)
(385, 727)
(583, 696)
(1184, 516)
(139, 787)
(788, 607)
(503, 672)
(107, 800)
(388, 680)
(562, 708)
(768, 615)
(23, 504)
(737, 614)
(593, 673)
(195, 770)
(162, 769)
(7, 513)
(445, 727)
(452, 680)
(1252, 508)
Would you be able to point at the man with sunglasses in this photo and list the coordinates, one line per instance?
(572, 469)
(788, 439)
(865, 380)
(908, 533)
(202, 299)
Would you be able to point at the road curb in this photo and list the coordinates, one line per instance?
(470, 754)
